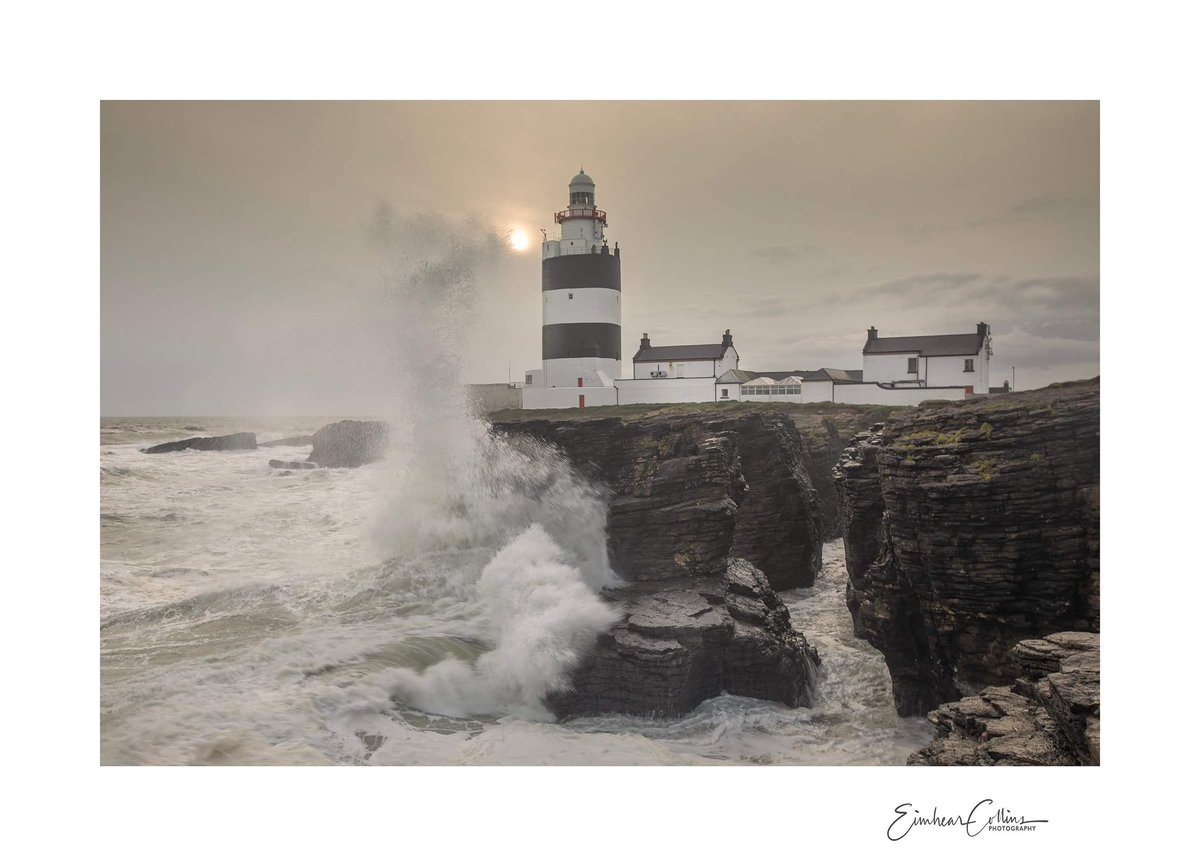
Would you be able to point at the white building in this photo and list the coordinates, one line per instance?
(933, 361)
(706, 360)
(896, 371)
(581, 344)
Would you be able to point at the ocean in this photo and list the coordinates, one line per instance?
(409, 612)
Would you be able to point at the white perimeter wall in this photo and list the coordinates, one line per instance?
(567, 306)
(635, 391)
(566, 398)
(667, 390)
(872, 395)
(817, 392)
(775, 398)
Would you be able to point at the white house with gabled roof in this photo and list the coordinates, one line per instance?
(702, 360)
(931, 361)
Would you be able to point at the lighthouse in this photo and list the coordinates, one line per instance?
(581, 296)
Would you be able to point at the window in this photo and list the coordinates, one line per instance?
(968, 365)
(912, 365)
(724, 393)
(570, 296)
(528, 378)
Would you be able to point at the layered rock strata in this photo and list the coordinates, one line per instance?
(691, 493)
(1049, 717)
(683, 641)
(707, 516)
(970, 526)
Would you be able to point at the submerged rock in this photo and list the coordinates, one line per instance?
(290, 464)
(349, 444)
(1049, 716)
(970, 526)
(682, 642)
(232, 442)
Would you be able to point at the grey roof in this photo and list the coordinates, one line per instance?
(928, 346)
(825, 374)
(832, 373)
(582, 179)
(701, 352)
(730, 377)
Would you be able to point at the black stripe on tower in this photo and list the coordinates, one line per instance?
(582, 272)
(581, 340)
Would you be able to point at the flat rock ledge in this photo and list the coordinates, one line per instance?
(682, 642)
(232, 442)
(1049, 717)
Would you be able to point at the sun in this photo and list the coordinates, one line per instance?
(518, 239)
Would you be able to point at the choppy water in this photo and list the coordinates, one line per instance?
(403, 613)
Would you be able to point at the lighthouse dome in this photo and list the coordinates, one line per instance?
(582, 180)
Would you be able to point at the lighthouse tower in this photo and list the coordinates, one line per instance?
(581, 296)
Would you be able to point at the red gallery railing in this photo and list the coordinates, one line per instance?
(591, 213)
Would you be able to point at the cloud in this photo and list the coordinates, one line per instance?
(1030, 299)
(778, 254)
(1039, 207)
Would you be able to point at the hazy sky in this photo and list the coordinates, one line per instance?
(237, 276)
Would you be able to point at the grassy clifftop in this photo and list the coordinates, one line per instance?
(808, 417)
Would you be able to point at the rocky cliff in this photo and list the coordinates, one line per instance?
(709, 513)
(970, 526)
(1049, 717)
(690, 493)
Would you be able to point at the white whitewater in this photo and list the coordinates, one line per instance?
(248, 617)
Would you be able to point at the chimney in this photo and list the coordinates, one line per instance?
(982, 329)
(872, 333)
(645, 341)
(727, 340)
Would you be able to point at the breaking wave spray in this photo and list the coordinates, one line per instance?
(454, 493)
